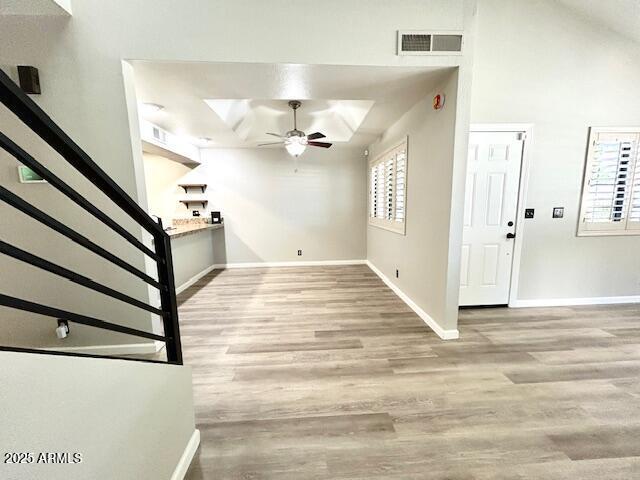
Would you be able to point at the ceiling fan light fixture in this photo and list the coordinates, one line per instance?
(296, 145)
(296, 141)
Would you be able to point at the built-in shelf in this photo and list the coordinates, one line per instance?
(202, 201)
(187, 186)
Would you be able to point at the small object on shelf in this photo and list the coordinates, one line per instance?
(198, 201)
(187, 186)
(215, 217)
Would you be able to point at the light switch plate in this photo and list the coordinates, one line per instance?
(558, 212)
(529, 212)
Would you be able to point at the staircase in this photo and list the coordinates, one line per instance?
(72, 414)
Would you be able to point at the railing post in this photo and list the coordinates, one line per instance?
(168, 302)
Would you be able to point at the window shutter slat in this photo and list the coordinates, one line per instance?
(401, 158)
(373, 191)
(380, 201)
(389, 181)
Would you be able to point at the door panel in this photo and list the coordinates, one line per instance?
(464, 266)
(495, 198)
(490, 267)
(468, 201)
(498, 153)
(491, 199)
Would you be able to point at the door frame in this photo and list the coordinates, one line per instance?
(527, 130)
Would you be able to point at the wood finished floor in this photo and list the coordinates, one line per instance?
(323, 373)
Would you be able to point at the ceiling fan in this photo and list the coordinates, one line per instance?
(296, 141)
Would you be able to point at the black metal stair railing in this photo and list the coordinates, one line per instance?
(41, 124)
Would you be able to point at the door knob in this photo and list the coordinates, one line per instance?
(511, 235)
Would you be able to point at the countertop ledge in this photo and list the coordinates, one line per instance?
(189, 229)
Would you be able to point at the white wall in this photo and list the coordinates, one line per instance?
(422, 255)
(271, 210)
(196, 253)
(536, 62)
(162, 177)
(21, 280)
(132, 421)
(80, 61)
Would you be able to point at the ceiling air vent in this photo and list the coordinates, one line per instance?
(429, 43)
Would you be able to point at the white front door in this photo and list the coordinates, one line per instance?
(491, 202)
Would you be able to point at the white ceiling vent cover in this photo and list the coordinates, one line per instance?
(411, 42)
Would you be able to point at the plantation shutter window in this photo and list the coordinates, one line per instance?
(611, 189)
(388, 189)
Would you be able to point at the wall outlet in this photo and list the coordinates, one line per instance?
(62, 331)
(299, 253)
(397, 273)
(529, 212)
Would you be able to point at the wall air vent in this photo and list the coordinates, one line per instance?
(159, 134)
(415, 42)
(429, 43)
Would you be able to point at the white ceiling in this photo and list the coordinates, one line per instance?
(235, 104)
(35, 7)
(250, 119)
(622, 16)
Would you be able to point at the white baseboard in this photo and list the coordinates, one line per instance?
(441, 332)
(194, 279)
(187, 456)
(123, 349)
(567, 302)
(289, 264)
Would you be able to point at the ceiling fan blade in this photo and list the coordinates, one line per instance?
(270, 143)
(320, 144)
(276, 135)
(315, 136)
